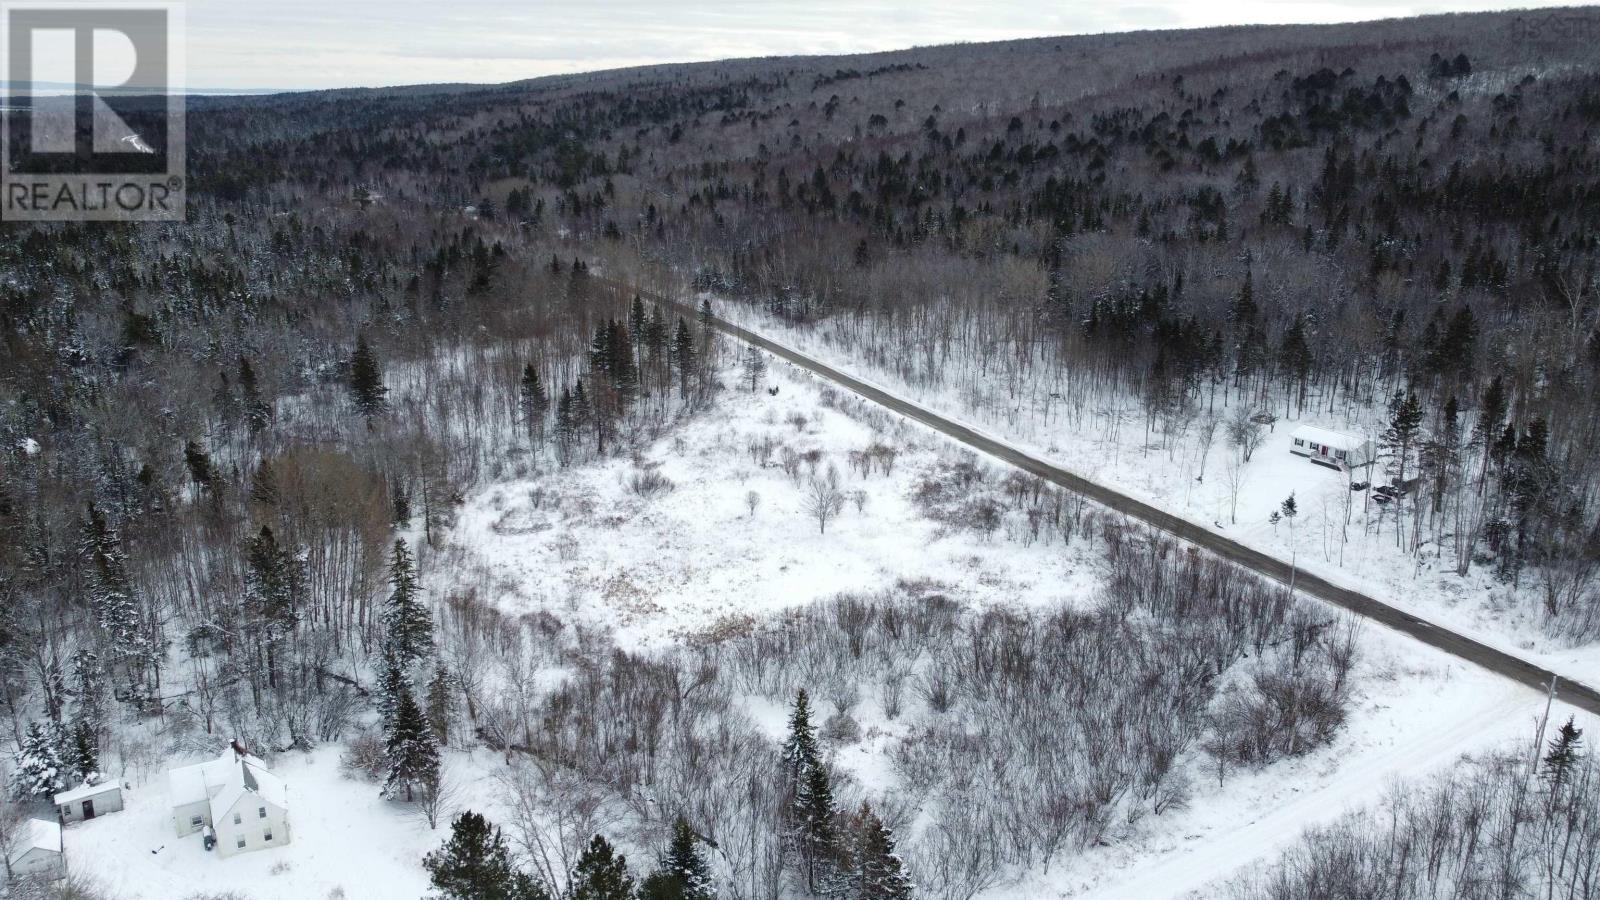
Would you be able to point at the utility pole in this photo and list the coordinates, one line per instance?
(1538, 741)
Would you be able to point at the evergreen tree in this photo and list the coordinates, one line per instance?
(1295, 357)
(476, 864)
(880, 873)
(257, 411)
(1564, 752)
(411, 748)
(272, 589)
(392, 683)
(755, 367)
(534, 402)
(38, 771)
(812, 814)
(408, 626)
(199, 463)
(601, 874)
(682, 873)
(1405, 424)
(81, 761)
(116, 609)
(683, 357)
(566, 427)
(366, 381)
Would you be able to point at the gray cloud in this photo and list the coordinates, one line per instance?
(339, 43)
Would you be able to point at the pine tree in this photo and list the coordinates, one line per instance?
(534, 402)
(116, 609)
(441, 703)
(411, 748)
(1562, 758)
(755, 367)
(476, 864)
(566, 427)
(366, 381)
(257, 411)
(800, 747)
(81, 761)
(271, 594)
(408, 626)
(38, 771)
(880, 874)
(601, 874)
(812, 814)
(392, 683)
(683, 357)
(199, 463)
(682, 873)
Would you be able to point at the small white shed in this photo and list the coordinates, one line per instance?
(86, 801)
(1334, 449)
(38, 852)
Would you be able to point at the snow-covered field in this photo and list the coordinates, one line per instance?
(1108, 444)
(695, 560)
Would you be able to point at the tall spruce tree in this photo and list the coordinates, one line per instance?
(116, 609)
(411, 749)
(682, 357)
(880, 874)
(366, 381)
(534, 402)
(38, 771)
(407, 625)
(601, 874)
(476, 864)
(812, 815)
(682, 873)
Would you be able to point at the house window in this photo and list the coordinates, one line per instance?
(266, 834)
(1340, 454)
(238, 819)
(263, 813)
(1299, 442)
(1314, 446)
(196, 821)
(240, 842)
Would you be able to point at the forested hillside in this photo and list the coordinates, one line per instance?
(212, 434)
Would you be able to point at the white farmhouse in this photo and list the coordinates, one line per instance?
(235, 794)
(37, 852)
(1334, 449)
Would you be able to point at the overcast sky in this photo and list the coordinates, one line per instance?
(244, 44)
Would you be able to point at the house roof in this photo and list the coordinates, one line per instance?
(247, 779)
(37, 834)
(202, 781)
(85, 791)
(1339, 440)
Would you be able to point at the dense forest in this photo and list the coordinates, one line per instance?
(213, 434)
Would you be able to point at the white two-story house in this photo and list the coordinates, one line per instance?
(237, 796)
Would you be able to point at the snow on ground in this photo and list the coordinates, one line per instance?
(346, 842)
(580, 543)
(1419, 712)
(583, 545)
(1108, 444)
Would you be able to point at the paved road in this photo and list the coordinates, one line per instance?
(1515, 668)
